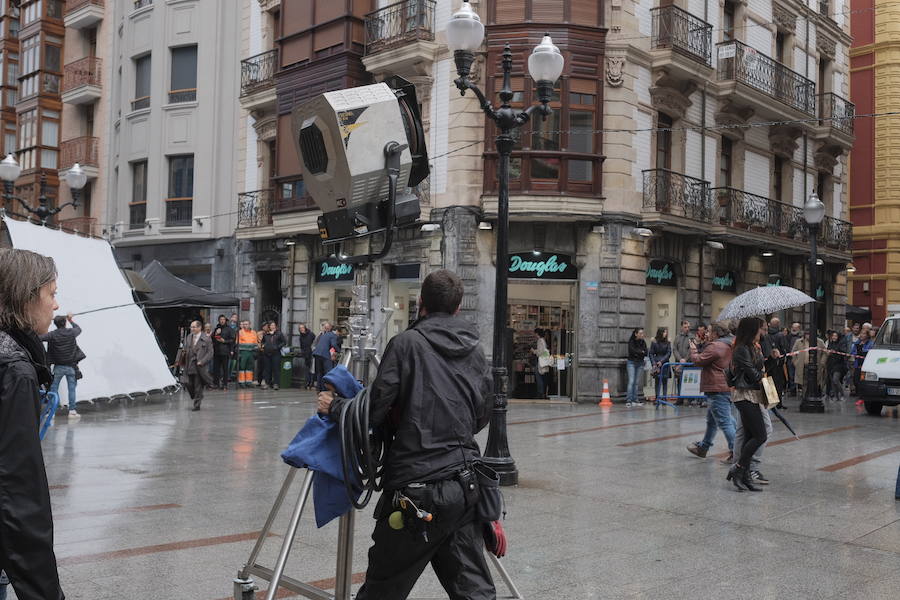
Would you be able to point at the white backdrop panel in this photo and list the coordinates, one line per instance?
(123, 356)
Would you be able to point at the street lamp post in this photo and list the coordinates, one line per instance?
(464, 35)
(813, 213)
(9, 173)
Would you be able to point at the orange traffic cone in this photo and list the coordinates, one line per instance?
(605, 400)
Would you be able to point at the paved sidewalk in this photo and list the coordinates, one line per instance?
(154, 501)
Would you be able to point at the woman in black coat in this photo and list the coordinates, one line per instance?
(27, 304)
(747, 372)
(637, 352)
(660, 352)
(836, 366)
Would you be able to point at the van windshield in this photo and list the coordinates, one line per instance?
(889, 334)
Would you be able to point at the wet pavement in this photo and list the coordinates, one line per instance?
(155, 501)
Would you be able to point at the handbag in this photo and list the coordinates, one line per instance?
(490, 505)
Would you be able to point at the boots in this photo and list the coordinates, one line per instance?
(747, 480)
(735, 476)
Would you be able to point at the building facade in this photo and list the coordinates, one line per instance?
(875, 62)
(174, 123)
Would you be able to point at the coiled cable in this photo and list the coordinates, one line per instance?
(362, 451)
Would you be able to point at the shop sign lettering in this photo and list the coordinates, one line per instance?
(661, 273)
(528, 265)
(724, 281)
(333, 270)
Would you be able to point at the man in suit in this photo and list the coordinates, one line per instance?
(196, 353)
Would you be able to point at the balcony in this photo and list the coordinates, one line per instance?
(85, 225)
(836, 234)
(749, 78)
(255, 209)
(676, 31)
(81, 150)
(81, 14)
(399, 36)
(676, 199)
(139, 4)
(835, 127)
(179, 212)
(82, 82)
(258, 81)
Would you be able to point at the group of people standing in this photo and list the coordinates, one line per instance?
(652, 360)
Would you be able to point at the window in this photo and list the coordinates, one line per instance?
(778, 179)
(779, 47)
(141, 82)
(9, 139)
(725, 163)
(823, 189)
(13, 28)
(293, 189)
(12, 70)
(663, 141)
(30, 47)
(32, 12)
(581, 139)
(49, 132)
(729, 21)
(183, 87)
(55, 9)
(181, 176)
(28, 139)
(139, 181)
(51, 58)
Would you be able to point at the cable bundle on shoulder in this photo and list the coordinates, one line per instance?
(362, 453)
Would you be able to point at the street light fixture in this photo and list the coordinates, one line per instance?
(813, 213)
(9, 172)
(465, 34)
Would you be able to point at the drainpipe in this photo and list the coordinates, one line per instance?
(805, 134)
(703, 162)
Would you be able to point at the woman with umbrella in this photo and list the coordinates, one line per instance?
(747, 372)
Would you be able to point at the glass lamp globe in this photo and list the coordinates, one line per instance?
(813, 210)
(464, 30)
(9, 169)
(75, 177)
(545, 63)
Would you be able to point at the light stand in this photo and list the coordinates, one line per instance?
(465, 34)
(813, 212)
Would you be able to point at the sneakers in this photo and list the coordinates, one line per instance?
(759, 478)
(697, 450)
(275, 387)
(629, 404)
(264, 385)
(73, 414)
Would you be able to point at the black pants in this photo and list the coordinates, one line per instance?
(455, 549)
(195, 387)
(754, 430)
(270, 368)
(220, 369)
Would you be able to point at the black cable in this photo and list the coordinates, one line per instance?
(362, 452)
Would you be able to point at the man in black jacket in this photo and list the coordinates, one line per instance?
(223, 350)
(61, 353)
(307, 338)
(273, 341)
(430, 397)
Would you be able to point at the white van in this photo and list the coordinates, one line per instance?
(879, 381)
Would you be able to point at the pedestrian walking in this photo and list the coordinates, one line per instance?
(307, 338)
(62, 353)
(681, 350)
(660, 352)
(433, 392)
(794, 335)
(248, 346)
(637, 354)
(540, 353)
(747, 373)
(863, 344)
(272, 343)
(27, 304)
(326, 347)
(223, 350)
(194, 358)
(715, 360)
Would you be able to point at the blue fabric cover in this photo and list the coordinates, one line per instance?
(317, 447)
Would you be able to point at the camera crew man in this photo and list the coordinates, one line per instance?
(431, 396)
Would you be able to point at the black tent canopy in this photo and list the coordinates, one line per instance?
(170, 291)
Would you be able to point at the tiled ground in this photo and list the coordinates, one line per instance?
(154, 501)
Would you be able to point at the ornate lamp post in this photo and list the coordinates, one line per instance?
(464, 35)
(813, 213)
(9, 173)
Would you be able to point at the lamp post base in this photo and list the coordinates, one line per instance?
(812, 405)
(505, 468)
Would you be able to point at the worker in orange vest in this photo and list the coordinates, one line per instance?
(248, 346)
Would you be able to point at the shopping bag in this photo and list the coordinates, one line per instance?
(771, 392)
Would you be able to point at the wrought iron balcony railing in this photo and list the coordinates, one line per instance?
(666, 191)
(743, 210)
(836, 112)
(85, 71)
(680, 31)
(836, 233)
(137, 215)
(258, 72)
(179, 212)
(73, 5)
(82, 150)
(255, 208)
(741, 63)
(399, 23)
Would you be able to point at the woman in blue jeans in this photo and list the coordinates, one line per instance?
(637, 352)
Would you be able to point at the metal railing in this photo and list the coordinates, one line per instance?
(73, 5)
(179, 212)
(137, 215)
(836, 233)
(82, 150)
(836, 112)
(139, 103)
(682, 32)
(258, 72)
(255, 208)
(142, 3)
(741, 63)
(666, 191)
(85, 71)
(399, 23)
(293, 204)
(85, 225)
(743, 210)
(185, 95)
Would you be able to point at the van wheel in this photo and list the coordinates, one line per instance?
(873, 408)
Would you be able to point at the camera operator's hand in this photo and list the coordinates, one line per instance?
(324, 402)
(69, 318)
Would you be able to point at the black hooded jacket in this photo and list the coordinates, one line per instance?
(26, 523)
(432, 395)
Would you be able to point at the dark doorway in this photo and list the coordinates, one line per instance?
(269, 286)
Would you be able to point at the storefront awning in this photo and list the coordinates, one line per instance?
(170, 291)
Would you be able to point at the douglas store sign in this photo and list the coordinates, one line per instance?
(331, 270)
(543, 266)
(661, 272)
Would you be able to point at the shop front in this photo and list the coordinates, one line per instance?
(724, 290)
(404, 285)
(542, 297)
(332, 294)
(661, 283)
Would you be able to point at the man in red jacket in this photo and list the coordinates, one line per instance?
(715, 359)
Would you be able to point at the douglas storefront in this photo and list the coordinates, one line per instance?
(331, 295)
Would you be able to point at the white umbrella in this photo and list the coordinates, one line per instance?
(763, 301)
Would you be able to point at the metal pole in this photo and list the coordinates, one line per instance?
(496, 453)
(344, 570)
(812, 402)
(289, 478)
(289, 537)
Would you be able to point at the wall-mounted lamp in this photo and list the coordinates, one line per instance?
(768, 253)
(851, 268)
(597, 229)
(429, 227)
(715, 245)
(642, 232)
(485, 226)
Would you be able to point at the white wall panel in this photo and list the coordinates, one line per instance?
(642, 12)
(693, 160)
(759, 38)
(762, 8)
(757, 172)
(694, 111)
(836, 204)
(642, 148)
(642, 84)
(757, 136)
(797, 196)
(442, 11)
(712, 152)
(440, 109)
